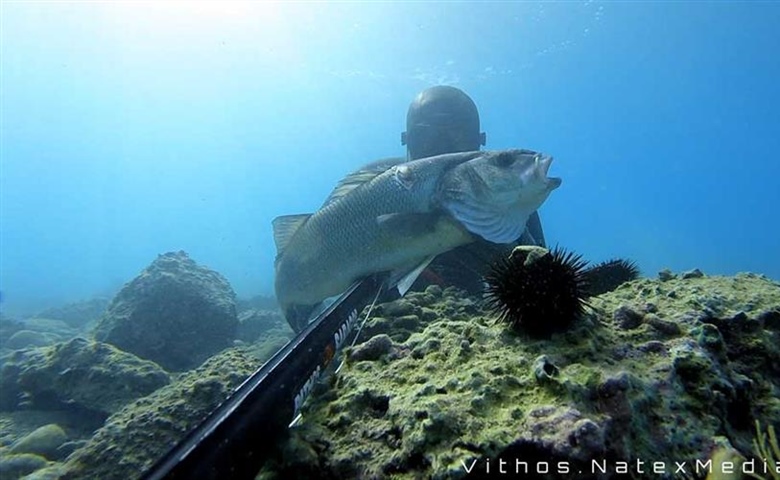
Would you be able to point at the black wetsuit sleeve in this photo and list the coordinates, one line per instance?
(534, 227)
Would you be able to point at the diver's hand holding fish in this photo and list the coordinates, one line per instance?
(396, 216)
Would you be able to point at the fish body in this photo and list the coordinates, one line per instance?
(396, 216)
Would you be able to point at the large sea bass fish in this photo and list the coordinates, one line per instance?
(396, 216)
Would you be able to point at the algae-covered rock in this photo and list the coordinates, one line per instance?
(51, 326)
(14, 466)
(175, 313)
(135, 437)
(28, 338)
(79, 373)
(373, 349)
(78, 314)
(54, 471)
(44, 441)
(681, 362)
(36, 332)
(255, 324)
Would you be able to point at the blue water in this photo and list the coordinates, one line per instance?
(135, 129)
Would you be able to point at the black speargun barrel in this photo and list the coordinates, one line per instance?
(235, 439)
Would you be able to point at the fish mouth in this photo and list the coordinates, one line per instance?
(543, 163)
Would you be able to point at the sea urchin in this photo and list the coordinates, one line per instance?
(538, 291)
(607, 276)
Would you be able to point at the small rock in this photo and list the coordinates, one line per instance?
(664, 327)
(588, 436)
(19, 465)
(565, 433)
(665, 275)
(694, 368)
(627, 318)
(653, 346)
(398, 308)
(709, 337)
(408, 322)
(434, 290)
(428, 314)
(544, 370)
(695, 273)
(431, 345)
(468, 306)
(615, 385)
(44, 441)
(373, 348)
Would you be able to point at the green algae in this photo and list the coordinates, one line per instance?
(94, 376)
(703, 359)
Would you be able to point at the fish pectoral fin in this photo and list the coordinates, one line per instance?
(403, 278)
(285, 227)
(407, 224)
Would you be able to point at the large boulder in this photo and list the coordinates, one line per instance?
(176, 313)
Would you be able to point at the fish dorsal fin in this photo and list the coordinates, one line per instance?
(285, 227)
(363, 175)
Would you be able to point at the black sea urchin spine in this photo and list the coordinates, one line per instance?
(539, 295)
(609, 275)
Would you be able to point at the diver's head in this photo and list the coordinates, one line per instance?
(441, 119)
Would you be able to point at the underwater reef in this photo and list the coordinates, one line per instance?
(676, 369)
(659, 370)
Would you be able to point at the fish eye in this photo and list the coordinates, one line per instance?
(503, 159)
